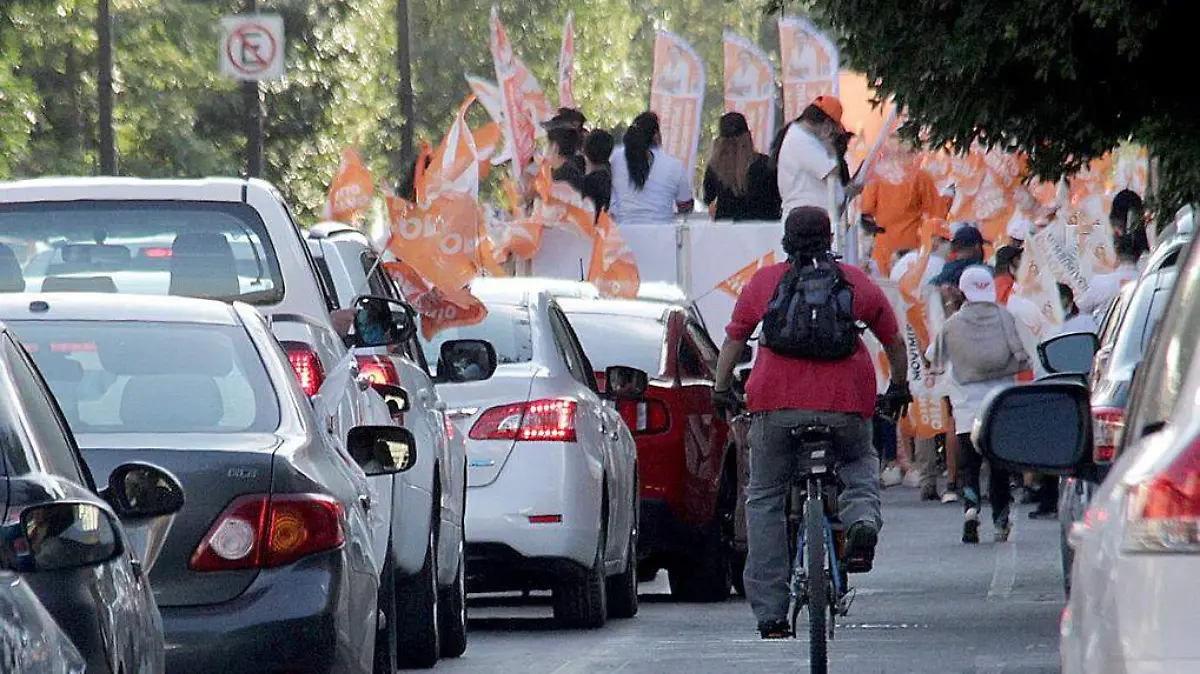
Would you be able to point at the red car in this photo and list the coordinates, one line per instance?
(688, 464)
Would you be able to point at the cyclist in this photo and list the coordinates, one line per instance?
(785, 392)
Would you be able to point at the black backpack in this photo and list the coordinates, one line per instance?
(811, 314)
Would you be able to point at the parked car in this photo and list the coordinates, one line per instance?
(552, 498)
(1137, 549)
(219, 238)
(430, 499)
(686, 454)
(30, 641)
(556, 287)
(61, 536)
(272, 556)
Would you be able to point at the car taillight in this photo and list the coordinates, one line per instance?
(379, 370)
(645, 416)
(307, 366)
(262, 531)
(157, 253)
(534, 421)
(1163, 511)
(1108, 425)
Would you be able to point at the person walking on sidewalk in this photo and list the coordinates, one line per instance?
(980, 349)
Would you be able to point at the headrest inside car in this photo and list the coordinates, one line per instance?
(176, 352)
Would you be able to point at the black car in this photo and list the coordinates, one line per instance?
(272, 565)
(62, 536)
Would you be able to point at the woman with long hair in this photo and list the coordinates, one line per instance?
(739, 183)
(648, 184)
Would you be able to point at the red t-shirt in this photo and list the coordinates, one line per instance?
(782, 383)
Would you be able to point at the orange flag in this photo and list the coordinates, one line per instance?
(734, 284)
(925, 415)
(351, 191)
(438, 238)
(438, 310)
(613, 268)
(559, 204)
(455, 164)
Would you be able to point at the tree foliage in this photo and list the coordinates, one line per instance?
(1062, 80)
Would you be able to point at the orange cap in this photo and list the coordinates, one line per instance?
(831, 106)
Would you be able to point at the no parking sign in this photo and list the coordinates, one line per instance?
(252, 47)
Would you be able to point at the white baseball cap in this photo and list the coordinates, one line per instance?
(977, 284)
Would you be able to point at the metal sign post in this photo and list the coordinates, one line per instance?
(252, 51)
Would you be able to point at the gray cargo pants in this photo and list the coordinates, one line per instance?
(772, 465)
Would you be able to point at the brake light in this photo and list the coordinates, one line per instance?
(1164, 510)
(379, 370)
(534, 421)
(646, 416)
(262, 531)
(1108, 425)
(157, 253)
(307, 366)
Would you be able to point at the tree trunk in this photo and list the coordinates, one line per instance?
(108, 143)
(407, 100)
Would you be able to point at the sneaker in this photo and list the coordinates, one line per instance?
(775, 629)
(1043, 514)
(950, 496)
(861, 539)
(971, 526)
(891, 477)
(930, 494)
(1003, 531)
(912, 479)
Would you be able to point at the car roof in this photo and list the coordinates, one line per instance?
(330, 230)
(119, 189)
(631, 308)
(114, 307)
(658, 291)
(532, 284)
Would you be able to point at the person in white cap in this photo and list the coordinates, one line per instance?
(980, 349)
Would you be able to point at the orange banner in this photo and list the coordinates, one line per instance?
(437, 238)
(511, 76)
(733, 285)
(613, 268)
(750, 88)
(455, 164)
(810, 65)
(677, 96)
(566, 64)
(560, 205)
(925, 416)
(351, 191)
(437, 311)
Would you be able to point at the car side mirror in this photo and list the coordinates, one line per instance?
(395, 397)
(62, 535)
(1043, 427)
(381, 321)
(382, 450)
(466, 360)
(141, 491)
(1072, 352)
(625, 383)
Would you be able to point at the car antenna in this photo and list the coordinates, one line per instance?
(582, 276)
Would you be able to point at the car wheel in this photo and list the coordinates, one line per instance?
(583, 604)
(419, 641)
(622, 588)
(386, 646)
(453, 613)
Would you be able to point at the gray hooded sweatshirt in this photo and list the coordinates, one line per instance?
(981, 343)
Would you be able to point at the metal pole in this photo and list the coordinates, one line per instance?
(407, 99)
(108, 142)
(252, 102)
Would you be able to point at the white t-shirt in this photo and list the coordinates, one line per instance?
(804, 164)
(1080, 322)
(666, 185)
(1104, 287)
(906, 261)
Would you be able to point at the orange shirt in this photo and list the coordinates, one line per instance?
(1004, 286)
(899, 208)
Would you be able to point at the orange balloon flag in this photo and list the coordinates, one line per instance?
(351, 191)
(734, 284)
(613, 268)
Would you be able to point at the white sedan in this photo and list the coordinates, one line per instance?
(552, 498)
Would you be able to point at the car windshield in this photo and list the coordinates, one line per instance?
(196, 249)
(125, 377)
(621, 340)
(506, 327)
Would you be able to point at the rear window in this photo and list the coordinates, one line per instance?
(1141, 318)
(124, 377)
(506, 327)
(621, 340)
(195, 249)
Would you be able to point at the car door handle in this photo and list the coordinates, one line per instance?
(365, 501)
(462, 412)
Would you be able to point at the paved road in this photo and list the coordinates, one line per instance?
(932, 606)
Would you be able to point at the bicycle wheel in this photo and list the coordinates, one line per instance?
(818, 586)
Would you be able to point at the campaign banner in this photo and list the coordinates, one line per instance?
(613, 268)
(1035, 301)
(750, 88)
(677, 96)
(351, 190)
(455, 164)
(566, 64)
(810, 64)
(510, 76)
